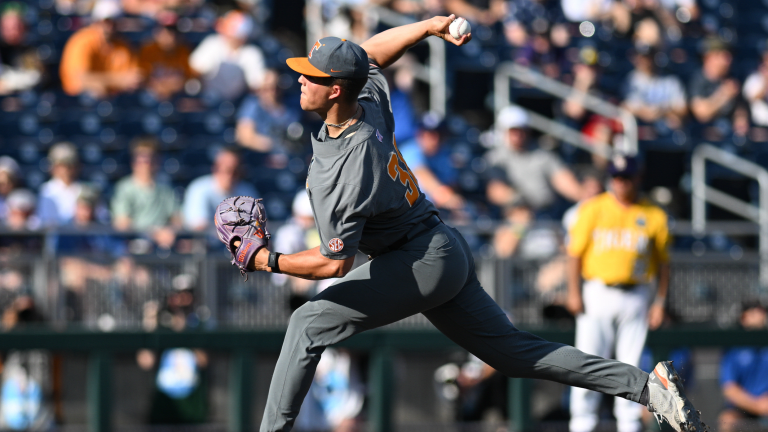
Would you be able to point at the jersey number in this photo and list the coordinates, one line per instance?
(406, 176)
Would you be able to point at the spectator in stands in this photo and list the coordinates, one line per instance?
(345, 19)
(20, 64)
(96, 60)
(297, 234)
(521, 170)
(537, 36)
(713, 92)
(140, 202)
(20, 210)
(164, 61)
(585, 75)
(744, 375)
(9, 178)
(84, 237)
(593, 185)
(20, 217)
(26, 389)
(430, 160)
(643, 21)
(651, 97)
(180, 395)
(586, 10)
(486, 12)
(58, 196)
(403, 76)
(599, 131)
(74, 7)
(335, 398)
(206, 192)
(228, 64)
(756, 92)
(263, 117)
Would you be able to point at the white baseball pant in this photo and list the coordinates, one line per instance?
(615, 320)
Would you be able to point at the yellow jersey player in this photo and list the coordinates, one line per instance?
(618, 246)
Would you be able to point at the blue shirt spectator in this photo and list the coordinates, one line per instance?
(263, 119)
(206, 192)
(84, 234)
(431, 163)
(402, 109)
(744, 375)
(746, 367)
(439, 163)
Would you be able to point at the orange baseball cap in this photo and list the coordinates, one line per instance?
(332, 57)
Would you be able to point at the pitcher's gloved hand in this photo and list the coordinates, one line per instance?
(242, 219)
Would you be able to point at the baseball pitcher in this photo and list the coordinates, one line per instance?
(365, 198)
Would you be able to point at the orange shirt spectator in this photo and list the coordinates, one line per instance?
(164, 61)
(95, 60)
(153, 59)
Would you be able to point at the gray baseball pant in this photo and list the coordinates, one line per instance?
(433, 274)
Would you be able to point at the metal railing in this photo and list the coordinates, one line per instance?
(101, 292)
(527, 76)
(702, 193)
(433, 73)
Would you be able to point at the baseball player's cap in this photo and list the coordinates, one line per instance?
(623, 166)
(333, 57)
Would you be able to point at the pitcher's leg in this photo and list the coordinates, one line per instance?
(594, 335)
(474, 321)
(391, 287)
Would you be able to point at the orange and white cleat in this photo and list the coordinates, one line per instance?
(667, 400)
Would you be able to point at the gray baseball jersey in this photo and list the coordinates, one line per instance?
(363, 195)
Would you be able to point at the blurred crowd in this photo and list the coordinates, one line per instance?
(125, 122)
(115, 110)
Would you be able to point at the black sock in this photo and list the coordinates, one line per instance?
(644, 396)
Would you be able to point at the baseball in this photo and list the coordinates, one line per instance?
(459, 27)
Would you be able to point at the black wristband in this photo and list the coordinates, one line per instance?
(272, 262)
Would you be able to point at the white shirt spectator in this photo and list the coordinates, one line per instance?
(582, 10)
(57, 201)
(227, 70)
(753, 86)
(662, 92)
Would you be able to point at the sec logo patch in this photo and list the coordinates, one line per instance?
(336, 245)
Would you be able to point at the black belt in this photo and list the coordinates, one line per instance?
(427, 223)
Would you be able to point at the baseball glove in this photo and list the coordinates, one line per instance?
(243, 219)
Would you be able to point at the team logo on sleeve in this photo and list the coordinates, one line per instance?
(336, 245)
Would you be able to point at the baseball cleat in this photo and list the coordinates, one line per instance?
(667, 400)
